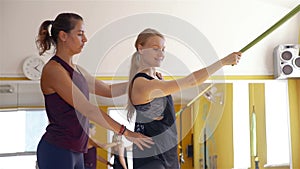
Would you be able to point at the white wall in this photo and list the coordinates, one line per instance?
(228, 25)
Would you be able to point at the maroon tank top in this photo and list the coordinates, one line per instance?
(67, 127)
(90, 158)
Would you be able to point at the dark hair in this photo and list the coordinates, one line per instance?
(63, 22)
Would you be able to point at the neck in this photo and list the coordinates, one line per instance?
(64, 54)
(151, 71)
(66, 58)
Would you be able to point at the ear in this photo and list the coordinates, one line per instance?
(140, 49)
(62, 36)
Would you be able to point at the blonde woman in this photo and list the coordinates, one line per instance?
(119, 152)
(150, 97)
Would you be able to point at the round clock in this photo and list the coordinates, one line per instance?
(32, 67)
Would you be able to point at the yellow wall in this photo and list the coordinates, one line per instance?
(197, 116)
(220, 143)
(187, 125)
(294, 100)
(224, 134)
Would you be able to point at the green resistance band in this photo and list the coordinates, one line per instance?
(248, 46)
(272, 28)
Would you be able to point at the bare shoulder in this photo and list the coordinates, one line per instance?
(53, 69)
(149, 89)
(145, 83)
(52, 73)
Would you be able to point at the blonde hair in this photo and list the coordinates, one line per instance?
(135, 64)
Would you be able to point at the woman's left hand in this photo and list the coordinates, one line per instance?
(139, 139)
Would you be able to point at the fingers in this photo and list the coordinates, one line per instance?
(141, 140)
(238, 53)
(139, 146)
(236, 56)
(146, 142)
(140, 143)
(237, 59)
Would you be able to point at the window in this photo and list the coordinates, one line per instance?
(241, 134)
(277, 123)
(20, 131)
(120, 115)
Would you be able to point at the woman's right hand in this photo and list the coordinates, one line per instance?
(232, 59)
(139, 139)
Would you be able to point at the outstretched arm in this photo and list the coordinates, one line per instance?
(150, 89)
(101, 88)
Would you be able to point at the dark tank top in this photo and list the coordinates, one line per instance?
(67, 127)
(163, 132)
(90, 158)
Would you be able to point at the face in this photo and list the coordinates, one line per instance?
(76, 38)
(152, 53)
(92, 131)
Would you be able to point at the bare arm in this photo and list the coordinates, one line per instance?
(121, 155)
(100, 88)
(53, 73)
(150, 89)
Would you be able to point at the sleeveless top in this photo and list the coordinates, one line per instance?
(163, 132)
(67, 127)
(90, 158)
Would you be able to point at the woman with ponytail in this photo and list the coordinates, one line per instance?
(66, 87)
(150, 98)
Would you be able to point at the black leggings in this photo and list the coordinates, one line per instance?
(50, 156)
(157, 164)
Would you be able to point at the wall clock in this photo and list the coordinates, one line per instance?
(33, 66)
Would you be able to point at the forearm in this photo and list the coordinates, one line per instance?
(98, 116)
(106, 121)
(200, 76)
(118, 89)
(122, 161)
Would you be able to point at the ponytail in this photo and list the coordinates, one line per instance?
(135, 62)
(44, 39)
